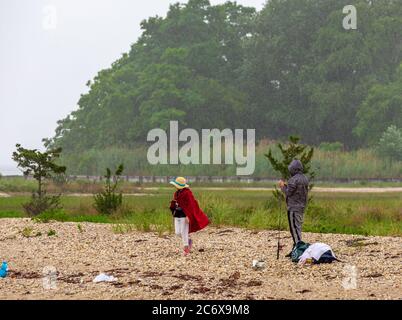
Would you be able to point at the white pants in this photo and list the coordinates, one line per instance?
(182, 227)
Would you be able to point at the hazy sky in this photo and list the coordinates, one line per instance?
(49, 49)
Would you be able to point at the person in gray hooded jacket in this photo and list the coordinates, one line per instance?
(296, 191)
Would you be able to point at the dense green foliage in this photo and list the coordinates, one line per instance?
(182, 68)
(391, 143)
(289, 69)
(381, 108)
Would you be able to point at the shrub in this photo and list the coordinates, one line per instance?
(38, 205)
(109, 201)
(390, 145)
(42, 166)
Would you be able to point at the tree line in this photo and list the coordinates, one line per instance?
(289, 69)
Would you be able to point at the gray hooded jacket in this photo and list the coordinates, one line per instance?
(297, 188)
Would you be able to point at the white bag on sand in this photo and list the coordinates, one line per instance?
(104, 278)
(315, 251)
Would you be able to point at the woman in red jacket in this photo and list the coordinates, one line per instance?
(188, 217)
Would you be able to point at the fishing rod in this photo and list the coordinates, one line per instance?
(280, 200)
(279, 224)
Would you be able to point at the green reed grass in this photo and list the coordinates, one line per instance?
(365, 214)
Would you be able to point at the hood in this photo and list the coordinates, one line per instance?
(295, 167)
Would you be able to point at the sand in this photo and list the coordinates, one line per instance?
(152, 267)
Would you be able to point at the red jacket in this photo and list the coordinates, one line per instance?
(185, 200)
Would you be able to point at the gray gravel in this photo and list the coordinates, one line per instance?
(220, 267)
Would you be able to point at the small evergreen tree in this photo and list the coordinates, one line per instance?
(108, 201)
(293, 150)
(42, 166)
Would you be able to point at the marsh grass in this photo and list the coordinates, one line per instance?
(149, 221)
(19, 186)
(363, 163)
(358, 164)
(365, 214)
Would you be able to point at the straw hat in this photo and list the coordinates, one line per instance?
(179, 183)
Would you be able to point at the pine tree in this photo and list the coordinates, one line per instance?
(293, 150)
(42, 166)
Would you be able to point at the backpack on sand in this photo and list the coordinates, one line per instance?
(298, 250)
(327, 257)
(301, 247)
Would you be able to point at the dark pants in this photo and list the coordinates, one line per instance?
(295, 218)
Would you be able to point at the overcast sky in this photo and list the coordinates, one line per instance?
(49, 49)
